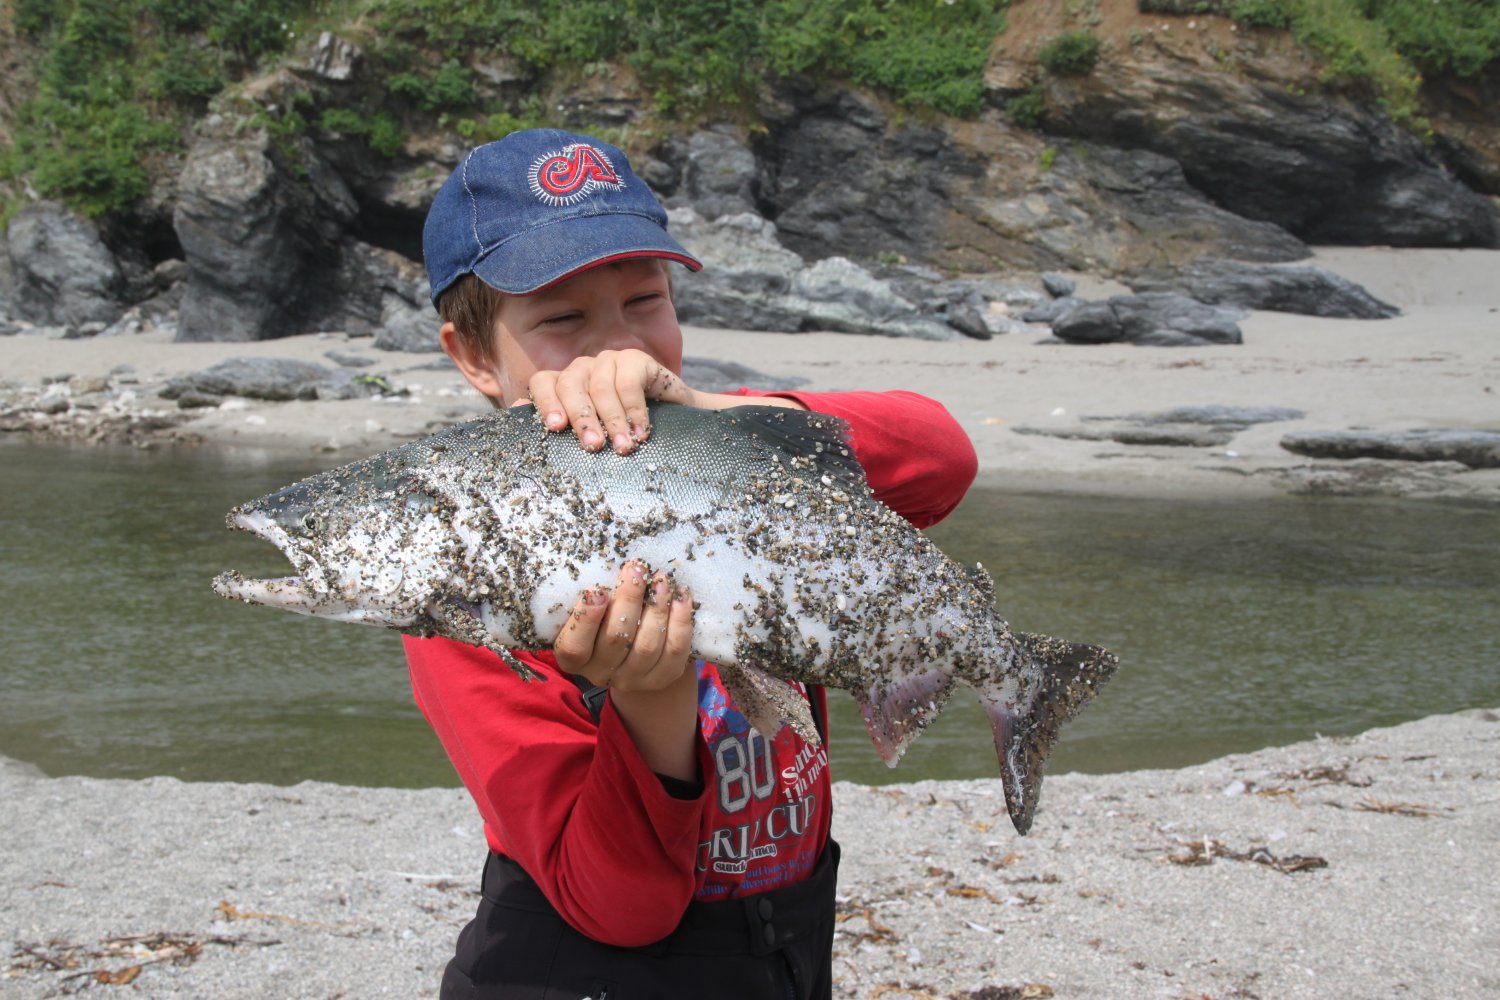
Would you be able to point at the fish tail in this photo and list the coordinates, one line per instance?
(1071, 674)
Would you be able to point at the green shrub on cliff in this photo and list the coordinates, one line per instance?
(1075, 53)
(116, 81)
(1451, 36)
(1385, 43)
(713, 53)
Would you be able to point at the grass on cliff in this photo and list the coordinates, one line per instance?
(118, 81)
(1384, 44)
(709, 54)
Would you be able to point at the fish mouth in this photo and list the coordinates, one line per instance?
(306, 593)
(294, 593)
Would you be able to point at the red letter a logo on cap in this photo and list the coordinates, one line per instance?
(566, 177)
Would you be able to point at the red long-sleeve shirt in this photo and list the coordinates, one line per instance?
(614, 850)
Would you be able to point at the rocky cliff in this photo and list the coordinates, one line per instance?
(1191, 139)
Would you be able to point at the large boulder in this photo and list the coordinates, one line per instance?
(263, 244)
(1158, 319)
(841, 178)
(715, 172)
(1308, 290)
(63, 273)
(750, 281)
(1323, 166)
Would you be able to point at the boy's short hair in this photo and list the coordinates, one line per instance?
(472, 307)
(533, 209)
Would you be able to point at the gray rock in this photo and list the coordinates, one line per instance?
(264, 248)
(968, 318)
(64, 274)
(254, 378)
(334, 58)
(842, 296)
(194, 399)
(1326, 167)
(745, 277)
(1236, 417)
(1304, 289)
(349, 359)
(1163, 319)
(1181, 436)
(407, 327)
(1050, 312)
(1475, 449)
(1058, 286)
(716, 172)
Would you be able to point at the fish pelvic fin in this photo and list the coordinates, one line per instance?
(896, 714)
(1071, 675)
(768, 703)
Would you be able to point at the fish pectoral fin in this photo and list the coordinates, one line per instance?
(897, 714)
(767, 703)
(1071, 674)
(522, 670)
(455, 618)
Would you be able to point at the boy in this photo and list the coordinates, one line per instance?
(652, 844)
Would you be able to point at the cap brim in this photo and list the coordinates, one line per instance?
(548, 254)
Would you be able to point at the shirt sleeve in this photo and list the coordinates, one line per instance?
(577, 807)
(918, 460)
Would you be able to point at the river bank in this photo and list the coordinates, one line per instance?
(1043, 416)
(1338, 868)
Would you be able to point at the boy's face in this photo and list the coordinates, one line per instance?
(610, 307)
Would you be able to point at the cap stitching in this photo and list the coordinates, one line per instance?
(473, 203)
(486, 250)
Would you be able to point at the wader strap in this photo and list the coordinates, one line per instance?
(593, 695)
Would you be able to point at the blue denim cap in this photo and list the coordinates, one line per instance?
(538, 206)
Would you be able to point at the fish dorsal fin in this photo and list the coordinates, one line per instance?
(816, 445)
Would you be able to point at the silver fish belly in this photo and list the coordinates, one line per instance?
(488, 531)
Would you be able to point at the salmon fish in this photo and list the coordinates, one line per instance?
(488, 531)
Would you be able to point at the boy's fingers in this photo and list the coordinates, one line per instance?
(574, 646)
(572, 389)
(543, 390)
(623, 620)
(651, 636)
(679, 644)
(663, 646)
(604, 390)
(631, 383)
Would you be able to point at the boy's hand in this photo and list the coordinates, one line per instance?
(637, 639)
(638, 643)
(603, 397)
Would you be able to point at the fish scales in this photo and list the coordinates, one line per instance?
(488, 531)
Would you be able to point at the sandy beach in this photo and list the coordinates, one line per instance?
(1357, 867)
(1340, 869)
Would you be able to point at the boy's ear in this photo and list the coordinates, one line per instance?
(475, 366)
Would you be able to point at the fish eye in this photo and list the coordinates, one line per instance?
(310, 522)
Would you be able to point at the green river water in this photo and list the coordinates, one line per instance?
(1239, 624)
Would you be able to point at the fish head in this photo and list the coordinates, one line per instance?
(361, 549)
